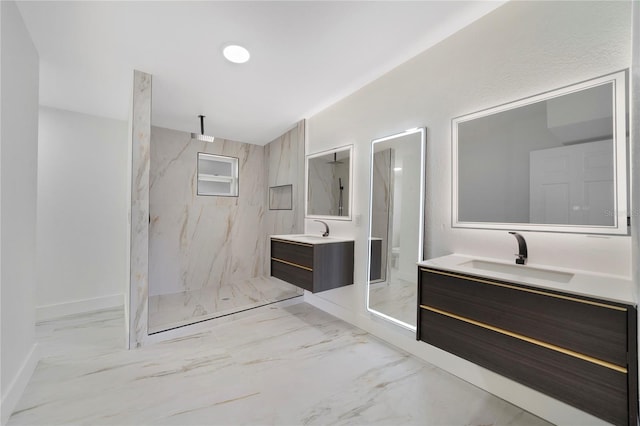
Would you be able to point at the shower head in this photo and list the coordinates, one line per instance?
(335, 160)
(202, 136)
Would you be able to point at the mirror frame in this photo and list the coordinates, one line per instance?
(306, 184)
(619, 86)
(423, 159)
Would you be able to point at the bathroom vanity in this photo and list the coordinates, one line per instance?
(552, 330)
(311, 262)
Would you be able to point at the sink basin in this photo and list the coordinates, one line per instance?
(519, 270)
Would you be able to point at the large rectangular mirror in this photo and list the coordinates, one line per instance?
(329, 177)
(396, 217)
(552, 162)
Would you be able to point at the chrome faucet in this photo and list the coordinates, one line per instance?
(326, 228)
(522, 249)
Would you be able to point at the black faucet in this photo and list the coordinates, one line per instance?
(326, 228)
(522, 248)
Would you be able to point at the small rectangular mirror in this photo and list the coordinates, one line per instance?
(329, 177)
(552, 162)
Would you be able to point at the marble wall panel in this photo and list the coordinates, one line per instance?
(138, 294)
(285, 166)
(197, 241)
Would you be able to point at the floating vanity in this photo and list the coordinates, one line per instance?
(314, 263)
(568, 334)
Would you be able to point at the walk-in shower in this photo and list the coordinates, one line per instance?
(209, 227)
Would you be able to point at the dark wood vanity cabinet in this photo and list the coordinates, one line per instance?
(579, 350)
(313, 267)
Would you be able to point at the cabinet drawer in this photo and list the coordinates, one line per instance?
(297, 253)
(292, 274)
(598, 390)
(596, 329)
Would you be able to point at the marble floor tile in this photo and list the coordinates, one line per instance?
(291, 365)
(168, 311)
(396, 298)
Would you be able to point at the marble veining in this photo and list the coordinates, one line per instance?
(285, 166)
(289, 365)
(395, 298)
(207, 254)
(177, 309)
(138, 290)
(202, 241)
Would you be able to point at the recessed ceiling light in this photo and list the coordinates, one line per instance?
(236, 54)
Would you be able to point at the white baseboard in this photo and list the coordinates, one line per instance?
(47, 312)
(11, 398)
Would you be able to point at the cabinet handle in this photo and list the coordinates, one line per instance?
(528, 290)
(292, 264)
(529, 340)
(291, 242)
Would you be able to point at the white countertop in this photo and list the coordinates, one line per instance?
(310, 238)
(602, 286)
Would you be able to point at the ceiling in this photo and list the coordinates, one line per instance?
(305, 55)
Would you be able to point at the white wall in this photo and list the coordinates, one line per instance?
(18, 179)
(82, 216)
(520, 49)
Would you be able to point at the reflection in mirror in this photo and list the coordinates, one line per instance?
(328, 184)
(396, 222)
(553, 162)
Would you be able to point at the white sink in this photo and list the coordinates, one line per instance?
(616, 288)
(519, 270)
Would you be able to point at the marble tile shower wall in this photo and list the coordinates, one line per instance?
(285, 166)
(136, 298)
(203, 241)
